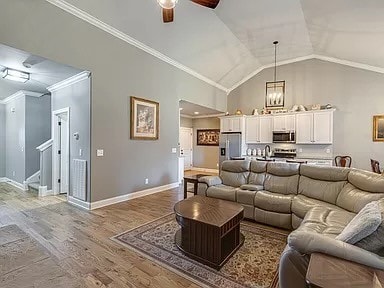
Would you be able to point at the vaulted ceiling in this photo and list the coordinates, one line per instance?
(230, 43)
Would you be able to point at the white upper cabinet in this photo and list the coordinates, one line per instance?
(258, 129)
(232, 124)
(284, 123)
(314, 128)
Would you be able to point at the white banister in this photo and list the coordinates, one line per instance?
(45, 145)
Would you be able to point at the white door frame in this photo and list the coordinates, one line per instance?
(55, 145)
(190, 130)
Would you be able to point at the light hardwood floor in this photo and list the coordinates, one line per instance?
(80, 240)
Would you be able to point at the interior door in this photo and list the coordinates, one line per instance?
(186, 148)
(64, 154)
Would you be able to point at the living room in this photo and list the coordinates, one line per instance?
(218, 58)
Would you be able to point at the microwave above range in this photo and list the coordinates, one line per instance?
(284, 137)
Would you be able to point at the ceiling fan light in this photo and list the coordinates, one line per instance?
(167, 4)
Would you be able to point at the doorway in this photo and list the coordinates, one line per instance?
(60, 126)
(186, 146)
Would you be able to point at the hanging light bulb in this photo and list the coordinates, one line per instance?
(167, 4)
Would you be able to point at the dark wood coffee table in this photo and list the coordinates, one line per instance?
(191, 179)
(210, 229)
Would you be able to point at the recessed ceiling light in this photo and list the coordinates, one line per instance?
(196, 113)
(15, 75)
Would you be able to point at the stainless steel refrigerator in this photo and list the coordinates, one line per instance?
(230, 147)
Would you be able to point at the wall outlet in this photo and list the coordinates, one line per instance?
(328, 151)
(100, 153)
(13, 173)
(80, 152)
(174, 150)
(300, 150)
(146, 181)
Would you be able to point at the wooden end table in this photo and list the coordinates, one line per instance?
(192, 179)
(210, 229)
(330, 272)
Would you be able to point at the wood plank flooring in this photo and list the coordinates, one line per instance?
(80, 239)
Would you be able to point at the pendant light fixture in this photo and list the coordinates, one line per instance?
(275, 91)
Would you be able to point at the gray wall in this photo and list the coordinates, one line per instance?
(2, 140)
(357, 95)
(205, 156)
(119, 70)
(77, 98)
(15, 140)
(37, 130)
(186, 122)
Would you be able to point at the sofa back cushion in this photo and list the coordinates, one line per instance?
(257, 172)
(282, 178)
(362, 188)
(322, 183)
(235, 172)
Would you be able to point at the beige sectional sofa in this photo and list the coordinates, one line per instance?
(317, 202)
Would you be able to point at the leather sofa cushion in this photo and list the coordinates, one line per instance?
(326, 221)
(283, 169)
(281, 184)
(256, 178)
(367, 181)
(273, 202)
(234, 179)
(353, 199)
(252, 187)
(302, 204)
(245, 196)
(258, 166)
(333, 174)
(236, 166)
(296, 221)
(321, 190)
(273, 218)
(222, 192)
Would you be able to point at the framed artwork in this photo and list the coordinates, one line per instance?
(275, 94)
(208, 137)
(144, 119)
(378, 128)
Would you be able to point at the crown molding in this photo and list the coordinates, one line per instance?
(20, 94)
(130, 40)
(202, 116)
(309, 57)
(69, 81)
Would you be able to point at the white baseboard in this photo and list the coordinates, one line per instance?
(13, 183)
(205, 170)
(43, 191)
(122, 198)
(79, 203)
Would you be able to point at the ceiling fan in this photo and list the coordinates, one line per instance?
(169, 5)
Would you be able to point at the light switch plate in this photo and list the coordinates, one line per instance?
(100, 152)
(174, 150)
(80, 152)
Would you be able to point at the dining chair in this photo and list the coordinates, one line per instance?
(343, 161)
(375, 166)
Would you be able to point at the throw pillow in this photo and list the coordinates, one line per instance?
(375, 241)
(362, 225)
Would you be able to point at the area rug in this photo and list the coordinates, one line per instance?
(24, 263)
(254, 265)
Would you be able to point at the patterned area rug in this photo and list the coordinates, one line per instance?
(254, 265)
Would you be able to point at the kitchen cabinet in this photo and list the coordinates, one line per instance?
(232, 124)
(284, 123)
(314, 128)
(258, 129)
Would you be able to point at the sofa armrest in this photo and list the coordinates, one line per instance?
(210, 180)
(309, 242)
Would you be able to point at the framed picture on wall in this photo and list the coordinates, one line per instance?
(378, 128)
(275, 94)
(208, 137)
(144, 119)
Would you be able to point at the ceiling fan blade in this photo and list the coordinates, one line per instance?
(207, 3)
(167, 15)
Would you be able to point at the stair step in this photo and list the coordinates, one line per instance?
(34, 186)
